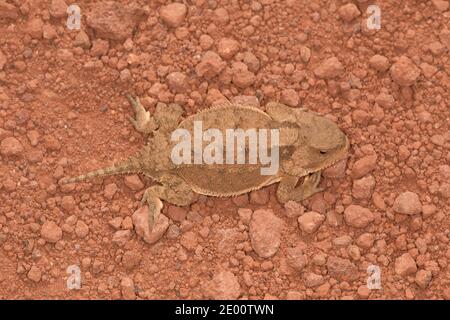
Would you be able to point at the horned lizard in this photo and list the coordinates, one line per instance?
(308, 143)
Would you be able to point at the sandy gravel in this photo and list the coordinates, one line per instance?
(63, 112)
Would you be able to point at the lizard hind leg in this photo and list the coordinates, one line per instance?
(172, 189)
(143, 122)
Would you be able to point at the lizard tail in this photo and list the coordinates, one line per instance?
(130, 165)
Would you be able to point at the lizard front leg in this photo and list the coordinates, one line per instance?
(172, 189)
(287, 189)
(282, 113)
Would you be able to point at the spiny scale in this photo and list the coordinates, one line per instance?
(130, 165)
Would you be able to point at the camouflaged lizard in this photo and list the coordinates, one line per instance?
(308, 143)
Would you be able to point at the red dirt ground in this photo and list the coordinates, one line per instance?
(63, 112)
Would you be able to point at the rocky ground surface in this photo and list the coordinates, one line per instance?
(63, 112)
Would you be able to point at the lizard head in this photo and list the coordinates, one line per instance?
(320, 144)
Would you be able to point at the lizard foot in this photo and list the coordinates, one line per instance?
(310, 185)
(143, 122)
(172, 189)
(154, 206)
(287, 189)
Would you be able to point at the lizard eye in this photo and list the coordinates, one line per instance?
(323, 152)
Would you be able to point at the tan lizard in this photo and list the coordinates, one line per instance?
(308, 143)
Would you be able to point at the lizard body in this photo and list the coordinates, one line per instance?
(308, 143)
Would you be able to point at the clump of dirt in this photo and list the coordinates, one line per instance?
(63, 112)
